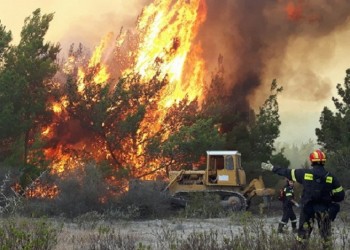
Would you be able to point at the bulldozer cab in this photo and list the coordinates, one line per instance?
(223, 176)
(224, 169)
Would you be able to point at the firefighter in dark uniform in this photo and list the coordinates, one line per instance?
(320, 197)
(287, 198)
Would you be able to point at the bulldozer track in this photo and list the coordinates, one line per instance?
(231, 200)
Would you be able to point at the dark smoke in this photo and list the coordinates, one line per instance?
(253, 37)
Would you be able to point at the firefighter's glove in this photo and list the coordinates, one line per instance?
(267, 166)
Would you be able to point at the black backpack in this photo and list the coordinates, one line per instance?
(319, 188)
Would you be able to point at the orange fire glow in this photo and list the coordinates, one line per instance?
(298, 10)
(294, 11)
(167, 44)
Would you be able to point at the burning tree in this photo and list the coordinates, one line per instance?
(88, 114)
(138, 105)
(115, 115)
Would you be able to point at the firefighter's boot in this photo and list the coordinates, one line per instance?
(280, 228)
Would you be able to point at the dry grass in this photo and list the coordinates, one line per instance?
(236, 232)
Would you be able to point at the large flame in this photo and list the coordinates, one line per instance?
(168, 31)
(166, 43)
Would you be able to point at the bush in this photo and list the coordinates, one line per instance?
(338, 163)
(147, 198)
(204, 205)
(18, 233)
(109, 239)
(10, 201)
(80, 192)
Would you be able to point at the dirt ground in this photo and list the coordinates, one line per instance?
(156, 233)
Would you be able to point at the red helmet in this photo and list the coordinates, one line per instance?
(318, 156)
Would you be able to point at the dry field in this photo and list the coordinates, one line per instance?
(154, 233)
(239, 231)
(161, 234)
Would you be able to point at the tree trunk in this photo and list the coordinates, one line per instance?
(26, 140)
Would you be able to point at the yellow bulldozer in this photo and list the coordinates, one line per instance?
(223, 176)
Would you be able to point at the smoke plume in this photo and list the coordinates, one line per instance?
(256, 37)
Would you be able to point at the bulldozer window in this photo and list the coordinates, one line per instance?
(212, 164)
(220, 162)
(229, 162)
(216, 163)
(239, 166)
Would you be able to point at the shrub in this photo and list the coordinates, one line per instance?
(108, 239)
(10, 201)
(147, 198)
(81, 192)
(204, 205)
(18, 233)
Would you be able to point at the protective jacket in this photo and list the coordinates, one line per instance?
(288, 196)
(319, 185)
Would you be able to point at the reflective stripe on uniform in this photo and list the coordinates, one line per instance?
(289, 194)
(308, 177)
(337, 190)
(293, 175)
(329, 179)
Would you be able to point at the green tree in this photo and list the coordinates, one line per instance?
(266, 128)
(298, 154)
(25, 88)
(335, 126)
(6, 108)
(251, 133)
(254, 135)
(263, 132)
(334, 133)
(191, 136)
(5, 39)
(191, 142)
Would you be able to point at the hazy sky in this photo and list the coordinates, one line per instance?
(300, 114)
(74, 21)
(88, 21)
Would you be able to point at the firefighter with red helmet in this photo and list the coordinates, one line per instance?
(287, 198)
(320, 197)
